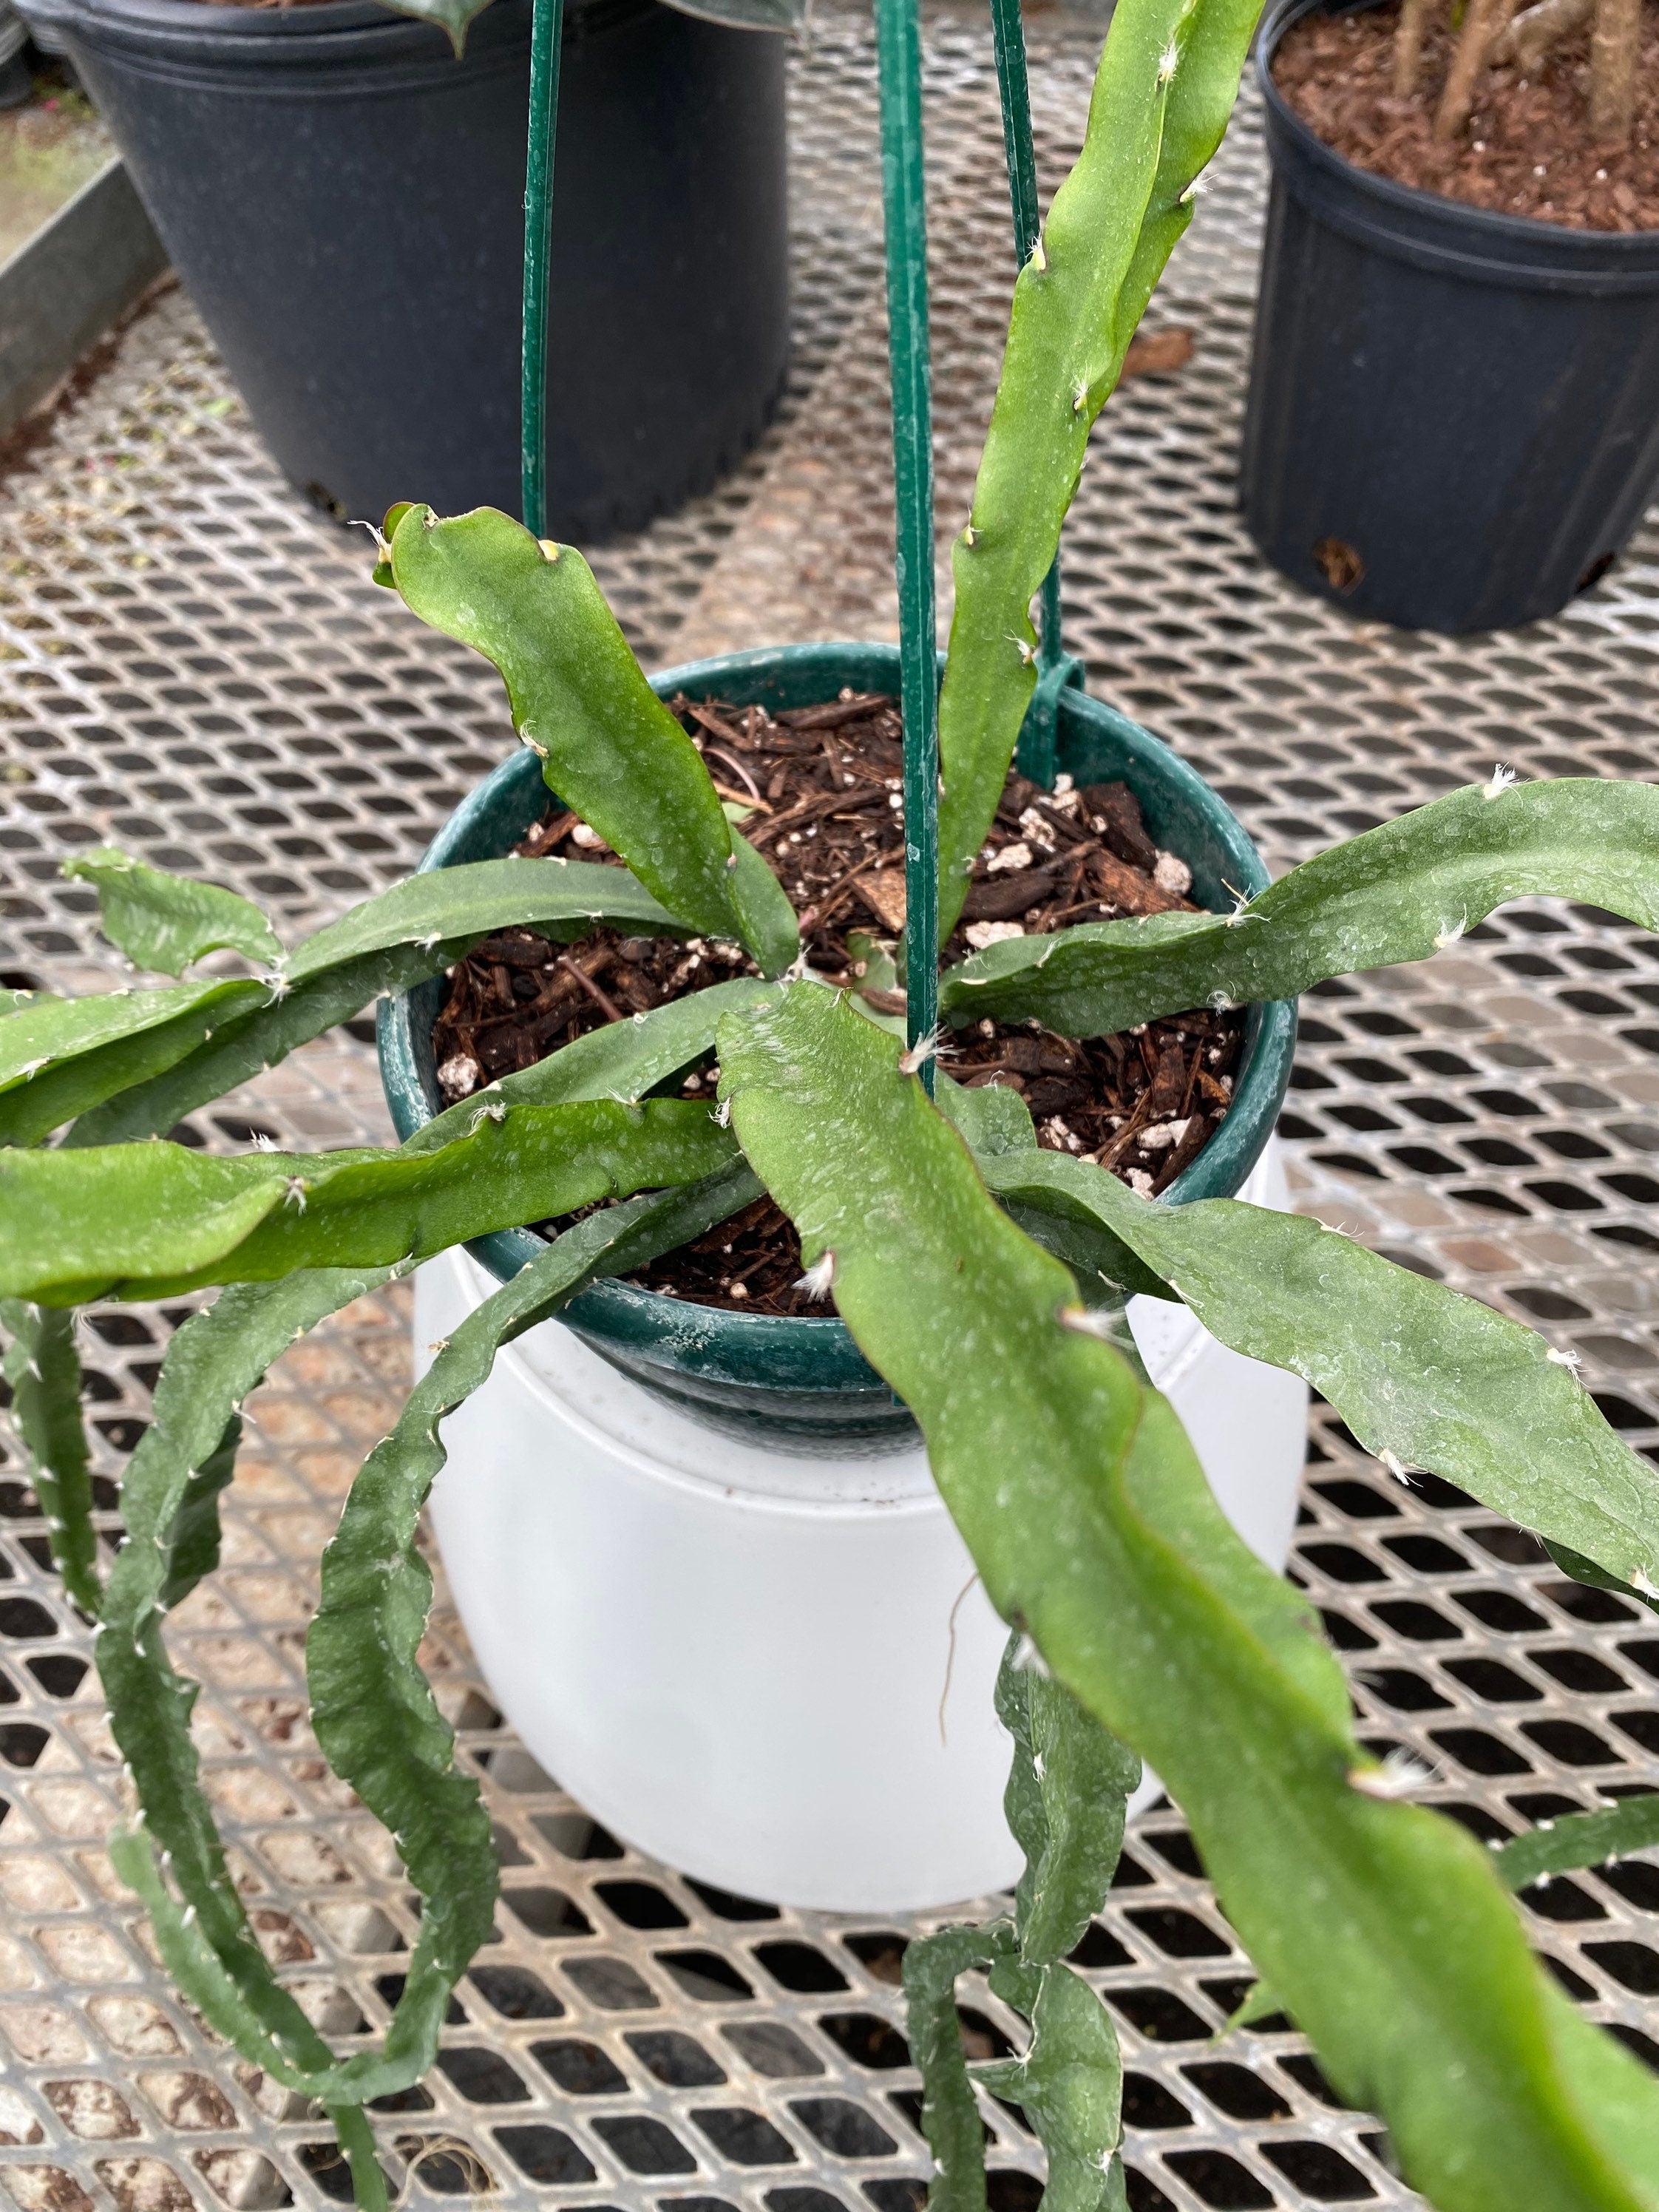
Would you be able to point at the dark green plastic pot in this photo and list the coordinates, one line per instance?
(805, 1379)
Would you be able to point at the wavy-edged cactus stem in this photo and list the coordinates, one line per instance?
(148, 1220)
(1424, 1376)
(949, 2111)
(131, 1063)
(1580, 1569)
(43, 1368)
(170, 1504)
(1580, 1839)
(623, 1061)
(1068, 1795)
(59, 1057)
(374, 1712)
(1382, 1926)
(608, 745)
(1404, 891)
(1068, 1790)
(1069, 2083)
(1166, 84)
(166, 921)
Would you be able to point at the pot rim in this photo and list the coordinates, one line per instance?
(1515, 230)
(215, 28)
(236, 19)
(756, 1339)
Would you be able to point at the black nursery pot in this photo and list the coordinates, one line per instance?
(344, 201)
(1453, 421)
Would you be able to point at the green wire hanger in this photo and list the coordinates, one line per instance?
(546, 36)
(898, 48)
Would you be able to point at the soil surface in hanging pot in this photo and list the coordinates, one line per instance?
(822, 786)
(1527, 150)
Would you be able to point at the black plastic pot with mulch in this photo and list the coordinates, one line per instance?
(344, 201)
(1453, 421)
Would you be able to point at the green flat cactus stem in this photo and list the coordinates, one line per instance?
(1068, 1790)
(1580, 1839)
(1403, 891)
(1382, 1926)
(949, 2112)
(1168, 78)
(374, 1714)
(128, 1064)
(59, 1057)
(1424, 1377)
(43, 1369)
(622, 1062)
(165, 921)
(1008, 41)
(608, 745)
(151, 1220)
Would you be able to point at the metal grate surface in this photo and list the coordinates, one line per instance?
(194, 665)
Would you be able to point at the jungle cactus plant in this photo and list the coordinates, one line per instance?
(1141, 1624)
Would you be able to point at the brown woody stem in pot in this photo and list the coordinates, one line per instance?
(1615, 43)
(1408, 46)
(1483, 23)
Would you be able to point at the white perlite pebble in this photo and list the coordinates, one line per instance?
(459, 1078)
(981, 934)
(1011, 856)
(1172, 875)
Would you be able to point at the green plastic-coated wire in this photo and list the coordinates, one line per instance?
(546, 30)
(898, 52)
(1008, 37)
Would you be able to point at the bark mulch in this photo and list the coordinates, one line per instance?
(1527, 150)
